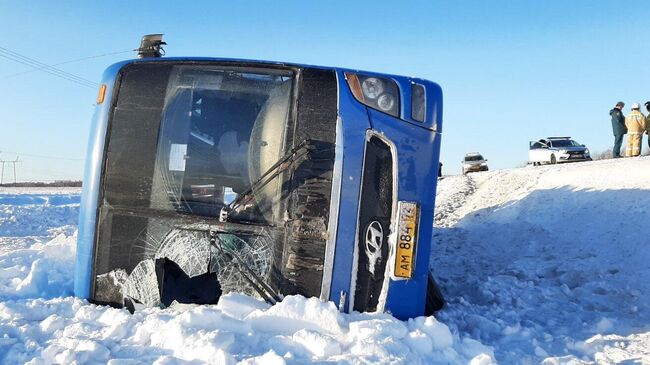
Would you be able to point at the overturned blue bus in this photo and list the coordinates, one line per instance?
(206, 176)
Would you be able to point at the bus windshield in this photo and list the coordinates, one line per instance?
(184, 140)
(219, 130)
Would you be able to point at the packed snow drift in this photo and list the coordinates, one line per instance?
(539, 265)
(41, 323)
(548, 264)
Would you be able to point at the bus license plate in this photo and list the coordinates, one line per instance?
(408, 215)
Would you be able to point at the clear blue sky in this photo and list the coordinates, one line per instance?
(511, 71)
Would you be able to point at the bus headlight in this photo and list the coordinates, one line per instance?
(386, 102)
(377, 92)
(372, 87)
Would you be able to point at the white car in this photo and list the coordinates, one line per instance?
(554, 150)
(474, 162)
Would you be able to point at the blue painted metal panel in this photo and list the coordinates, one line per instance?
(354, 120)
(418, 152)
(91, 185)
(404, 84)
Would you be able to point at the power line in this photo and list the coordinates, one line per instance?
(71, 61)
(74, 79)
(39, 170)
(45, 68)
(17, 57)
(43, 156)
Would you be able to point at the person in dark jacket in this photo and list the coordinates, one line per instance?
(647, 122)
(618, 127)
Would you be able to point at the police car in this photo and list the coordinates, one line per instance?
(554, 150)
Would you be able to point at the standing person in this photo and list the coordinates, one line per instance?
(647, 122)
(618, 127)
(635, 123)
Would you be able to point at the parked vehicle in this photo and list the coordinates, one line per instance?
(474, 162)
(554, 150)
(210, 175)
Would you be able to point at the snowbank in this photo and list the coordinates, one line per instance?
(548, 264)
(40, 323)
(543, 265)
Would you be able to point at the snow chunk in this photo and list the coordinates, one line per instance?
(269, 358)
(239, 305)
(35, 282)
(419, 342)
(439, 334)
(295, 313)
(319, 345)
(377, 328)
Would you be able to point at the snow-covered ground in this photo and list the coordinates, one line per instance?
(549, 264)
(41, 323)
(539, 265)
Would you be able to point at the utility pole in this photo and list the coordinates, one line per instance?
(2, 170)
(17, 160)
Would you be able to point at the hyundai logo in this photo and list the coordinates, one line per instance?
(374, 241)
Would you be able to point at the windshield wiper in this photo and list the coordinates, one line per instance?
(259, 285)
(282, 164)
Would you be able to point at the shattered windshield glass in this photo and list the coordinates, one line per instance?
(188, 248)
(185, 140)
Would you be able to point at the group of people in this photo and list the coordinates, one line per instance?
(634, 124)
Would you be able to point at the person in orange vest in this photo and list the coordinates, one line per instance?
(635, 123)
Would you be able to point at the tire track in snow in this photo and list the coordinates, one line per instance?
(453, 192)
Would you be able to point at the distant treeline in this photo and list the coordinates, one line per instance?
(53, 184)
